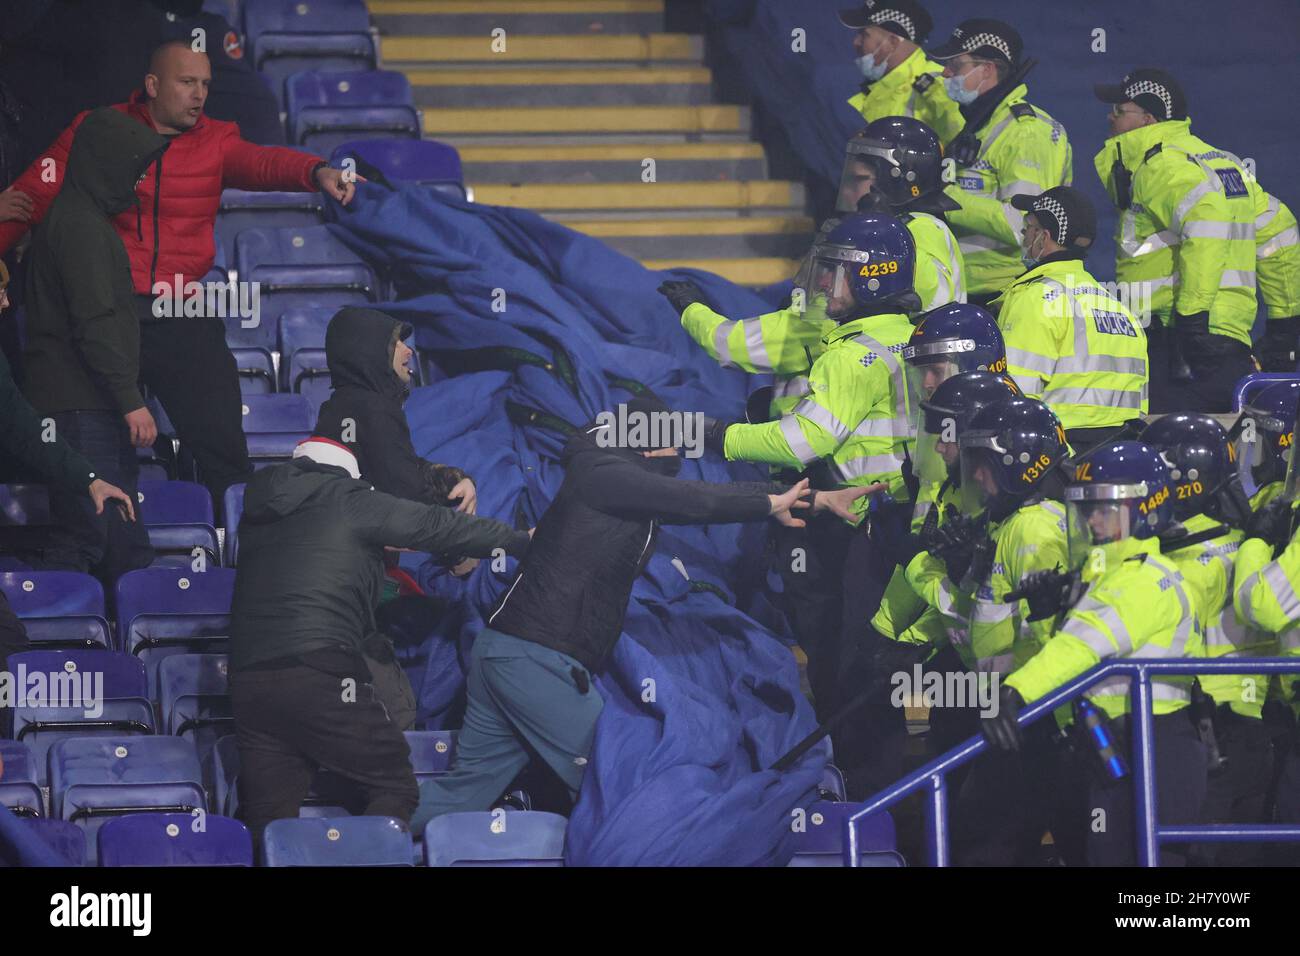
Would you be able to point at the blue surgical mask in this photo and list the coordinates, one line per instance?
(1029, 259)
(957, 92)
(871, 70)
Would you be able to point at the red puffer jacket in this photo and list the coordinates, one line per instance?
(171, 231)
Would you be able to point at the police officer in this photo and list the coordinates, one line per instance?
(1263, 437)
(1277, 270)
(1118, 498)
(1212, 509)
(1007, 147)
(897, 77)
(852, 429)
(1069, 342)
(1185, 238)
(895, 166)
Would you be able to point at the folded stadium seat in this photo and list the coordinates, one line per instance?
(274, 425)
(832, 786)
(194, 703)
(58, 608)
(19, 790)
(225, 776)
(431, 751)
(495, 838)
(93, 779)
(232, 506)
(165, 611)
(242, 209)
(178, 516)
(821, 841)
(289, 36)
(115, 699)
(158, 463)
(328, 109)
(174, 839)
(300, 267)
(423, 161)
(67, 840)
(339, 841)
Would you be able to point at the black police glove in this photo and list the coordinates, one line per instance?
(715, 431)
(910, 481)
(681, 293)
(1047, 593)
(981, 563)
(1271, 523)
(911, 546)
(1002, 730)
(1279, 350)
(955, 544)
(1278, 717)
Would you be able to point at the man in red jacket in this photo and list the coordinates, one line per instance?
(184, 361)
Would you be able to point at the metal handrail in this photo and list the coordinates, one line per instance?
(932, 777)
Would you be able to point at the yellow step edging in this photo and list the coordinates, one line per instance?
(614, 152)
(591, 76)
(726, 195)
(530, 47)
(646, 228)
(586, 119)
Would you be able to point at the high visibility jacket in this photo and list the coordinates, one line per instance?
(940, 275)
(1265, 590)
(1137, 605)
(785, 342)
(902, 615)
(1211, 566)
(1074, 346)
(1032, 539)
(1187, 241)
(855, 415)
(1277, 256)
(1022, 150)
(913, 88)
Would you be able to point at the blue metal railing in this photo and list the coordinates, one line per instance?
(932, 778)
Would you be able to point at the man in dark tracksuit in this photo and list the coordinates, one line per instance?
(530, 677)
(310, 574)
(82, 358)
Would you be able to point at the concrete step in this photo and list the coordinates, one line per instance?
(644, 49)
(481, 17)
(589, 121)
(601, 163)
(749, 272)
(608, 86)
(783, 237)
(757, 196)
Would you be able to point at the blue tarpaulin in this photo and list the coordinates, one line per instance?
(699, 697)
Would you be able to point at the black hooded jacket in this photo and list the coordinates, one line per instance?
(368, 397)
(83, 337)
(572, 588)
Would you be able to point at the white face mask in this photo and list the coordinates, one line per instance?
(957, 92)
(873, 65)
(1031, 258)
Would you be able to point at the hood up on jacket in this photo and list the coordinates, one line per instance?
(359, 347)
(110, 152)
(601, 436)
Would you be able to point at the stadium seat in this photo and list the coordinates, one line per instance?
(832, 786)
(820, 841)
(194, 702)
(328, 109)
(174, 839)
(163, 611)
(274, 425)
(93, 779)
(255, 366)
(495, 838)
(337, 841)
(19, 790)
(300, 267)
(242, 209)
(58, 608)
(302, 350)
(423, 161)
(67, 840)
(289, 36)
(431, 751)
(232, 506)
(225, 775)
(118, 705)
(178, 516)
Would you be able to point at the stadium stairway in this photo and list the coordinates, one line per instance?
(585, 111)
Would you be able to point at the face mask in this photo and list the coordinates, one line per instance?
(873, 65)
(1031, 258)
(957, 92)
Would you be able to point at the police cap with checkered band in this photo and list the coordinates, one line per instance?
(1066, 213)
(985, 39)
(1154, 90)
(906, 18)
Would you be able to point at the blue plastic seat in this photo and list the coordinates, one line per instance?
(58, 608)
(832, 786)
(495, 838)
(93, 779)
(232, 506)
(194, 703)
(328, 109)
(303, 366)
(820, 843)
(163, 611)
(19, 789)
(275, 424)
(178, 516)
(289, 36)
(242, 209)
(174, 839)
(431, 751)
(423, 161)
(337, 841)
(225, 775)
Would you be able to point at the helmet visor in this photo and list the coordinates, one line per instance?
(981, 459)
(1262, 448)
(865, 163)
(1096, 516)
(937, 452)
